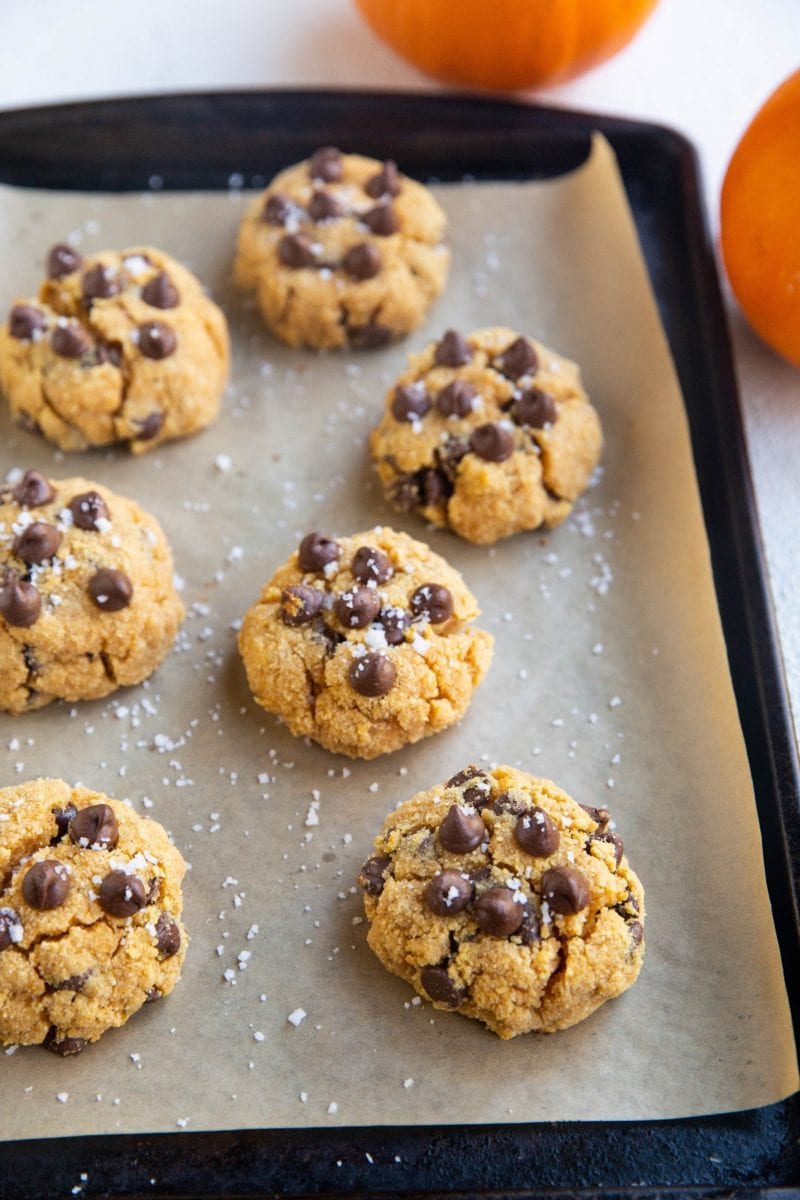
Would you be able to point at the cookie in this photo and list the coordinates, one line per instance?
(489, 434)
(343, 250)
(90, 906)
(364, 643)
(87, 599)
(120, 346)
(499, 896)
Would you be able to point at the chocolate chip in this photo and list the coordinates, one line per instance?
(478, 791)
(452, 351)
(498, 913)
(433, 486)
(150, 426)
(385, 183)
(69, 341)
(121, 895)
(108, 352)
(326, 164)
(300, 604)
(110, 590)
(62, 260)
(565, 890)
(324, 207)
(295, 250)
(433, 601)
(395, 622)
(636, 933)
(37, 542)
(455, 400)
(362, 261)
(506, 803)
(65, 1047)
(372, 876)
(10, 928)
(448, 893)
(151, 995)
(160, 292)
(449, 455)
(168, 935)
(99, 283)
(63, 816)
(613, 839)
(381, 220)
(371, 565)
(440, 987)
(87, 509)
(410, 402)
(600, 815)
(46, 884)
(24, 320)
(95, 826)
(33, 490)
(317, 550)
(372, 674)
(358, 607)
(157, 340)
(74, 983)
(537, 834)
(517, 359)
(370, 336)
(277, 209)
(20, 603)
(529, 930)
(461, 831)
(492, 442)
(534, 409)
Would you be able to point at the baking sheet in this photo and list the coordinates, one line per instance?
(610, 677)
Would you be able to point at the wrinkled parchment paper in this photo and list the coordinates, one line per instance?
(610, 677)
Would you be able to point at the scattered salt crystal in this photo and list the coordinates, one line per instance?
(296, 1017)
(223, 463)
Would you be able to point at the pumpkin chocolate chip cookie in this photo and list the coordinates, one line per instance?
(120, 346)
(87, 599)
(343, 250)
(364, 643)
(489, 434)
(90, 905)
(498, 895)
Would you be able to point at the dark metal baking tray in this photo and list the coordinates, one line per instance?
(202, 141)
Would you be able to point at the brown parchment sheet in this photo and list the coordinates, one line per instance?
(610, 677)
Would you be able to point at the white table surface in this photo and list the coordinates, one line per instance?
(701, 66)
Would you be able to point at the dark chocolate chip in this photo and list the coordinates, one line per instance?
(362, 261)
(433, 486)
(24, 320)
(636, 933)
(448, 893)
(385, 183)
(62, 816)
(613, 839)
(537, 833)
(492, 442)
(108, 352)
(600, 815)
(62, 260)
(87, 509)
(69, 341)
(10, 927)
(455, 400)
(160, 292)
(371, 565)
(478, 789)
(168, 935)
(317, 550)
(110, 590)
(32, 490)
(452, 351)
(529, 931)
(99, 283)
(295, 250)
(434, 601)
(498, 913)
(461, 831)
(64, 1047)
(370, 336)
(534, 409)
(565, 890)
(277, 209)
(324, 207)
(372, 674)
(300, 604)
(121, 895)
(95, 826)
(372, 877)
(410, 402)
(46, 884)
(157, 340)
(395, 622)
(449, 455)
(20, 603)
(150, 426)
(381, 220)
(37, 542)
(440, 987)
(151, 995)
(74, 983)
(358, 607)
(326, 164)
(517, 359)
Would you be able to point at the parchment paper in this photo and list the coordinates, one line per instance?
(610, 677)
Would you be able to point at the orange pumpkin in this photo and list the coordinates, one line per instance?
(505, 44)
